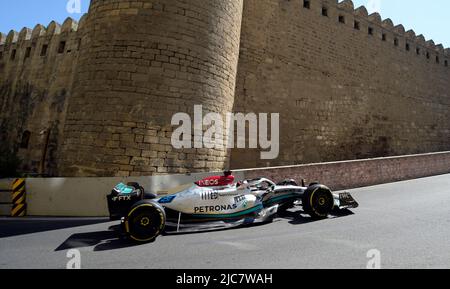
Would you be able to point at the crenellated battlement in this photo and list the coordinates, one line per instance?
(15, 44)
(335, 9)
(373, 24)
(53, 28)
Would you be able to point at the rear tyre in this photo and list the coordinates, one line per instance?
(318, 201)
(145, 221)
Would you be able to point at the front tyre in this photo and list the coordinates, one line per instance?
(318, 201)
(145, 221)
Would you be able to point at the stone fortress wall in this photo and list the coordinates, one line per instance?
(359, 89)
(97, 96)
(36, 73)
(142, 62)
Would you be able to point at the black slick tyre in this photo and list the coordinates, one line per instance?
(318, 201)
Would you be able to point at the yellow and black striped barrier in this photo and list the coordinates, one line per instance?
(19, 205)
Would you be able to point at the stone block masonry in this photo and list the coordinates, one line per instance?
(143, 62)
(347, 85)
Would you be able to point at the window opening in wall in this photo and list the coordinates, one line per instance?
(306, 4)
(446, 63)
(13, 54)
(325, 11)
(61, 47)
(384, 37)
(24, 142)
(44, 50)
(428, 55)
(370, 31)
(27, 52)
(356, 25)
(407, 47)
(396, 42)
(438, 60)
(418, 51)
(341, 19)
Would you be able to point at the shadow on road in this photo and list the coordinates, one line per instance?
(103, 241)
(9, 228)
(293, 216)
(296, 218)
(113, 238)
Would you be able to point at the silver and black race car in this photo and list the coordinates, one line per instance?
(217, 202)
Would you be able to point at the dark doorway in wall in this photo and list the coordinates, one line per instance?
(44, 50)
(27, 52)
(62, 47)
(396, 41)
(13, 54)
(306, 4)
(25, 141)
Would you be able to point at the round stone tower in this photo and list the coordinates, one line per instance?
(141, 62)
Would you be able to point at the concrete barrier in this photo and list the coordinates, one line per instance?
(81, 197)
(86, 197)
(5, 197)
(362, 173)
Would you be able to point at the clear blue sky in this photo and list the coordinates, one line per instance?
(430, 18)
(16, 14)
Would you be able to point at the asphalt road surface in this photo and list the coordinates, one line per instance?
(407, 222)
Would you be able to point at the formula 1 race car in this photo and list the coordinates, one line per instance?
(217, 202)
